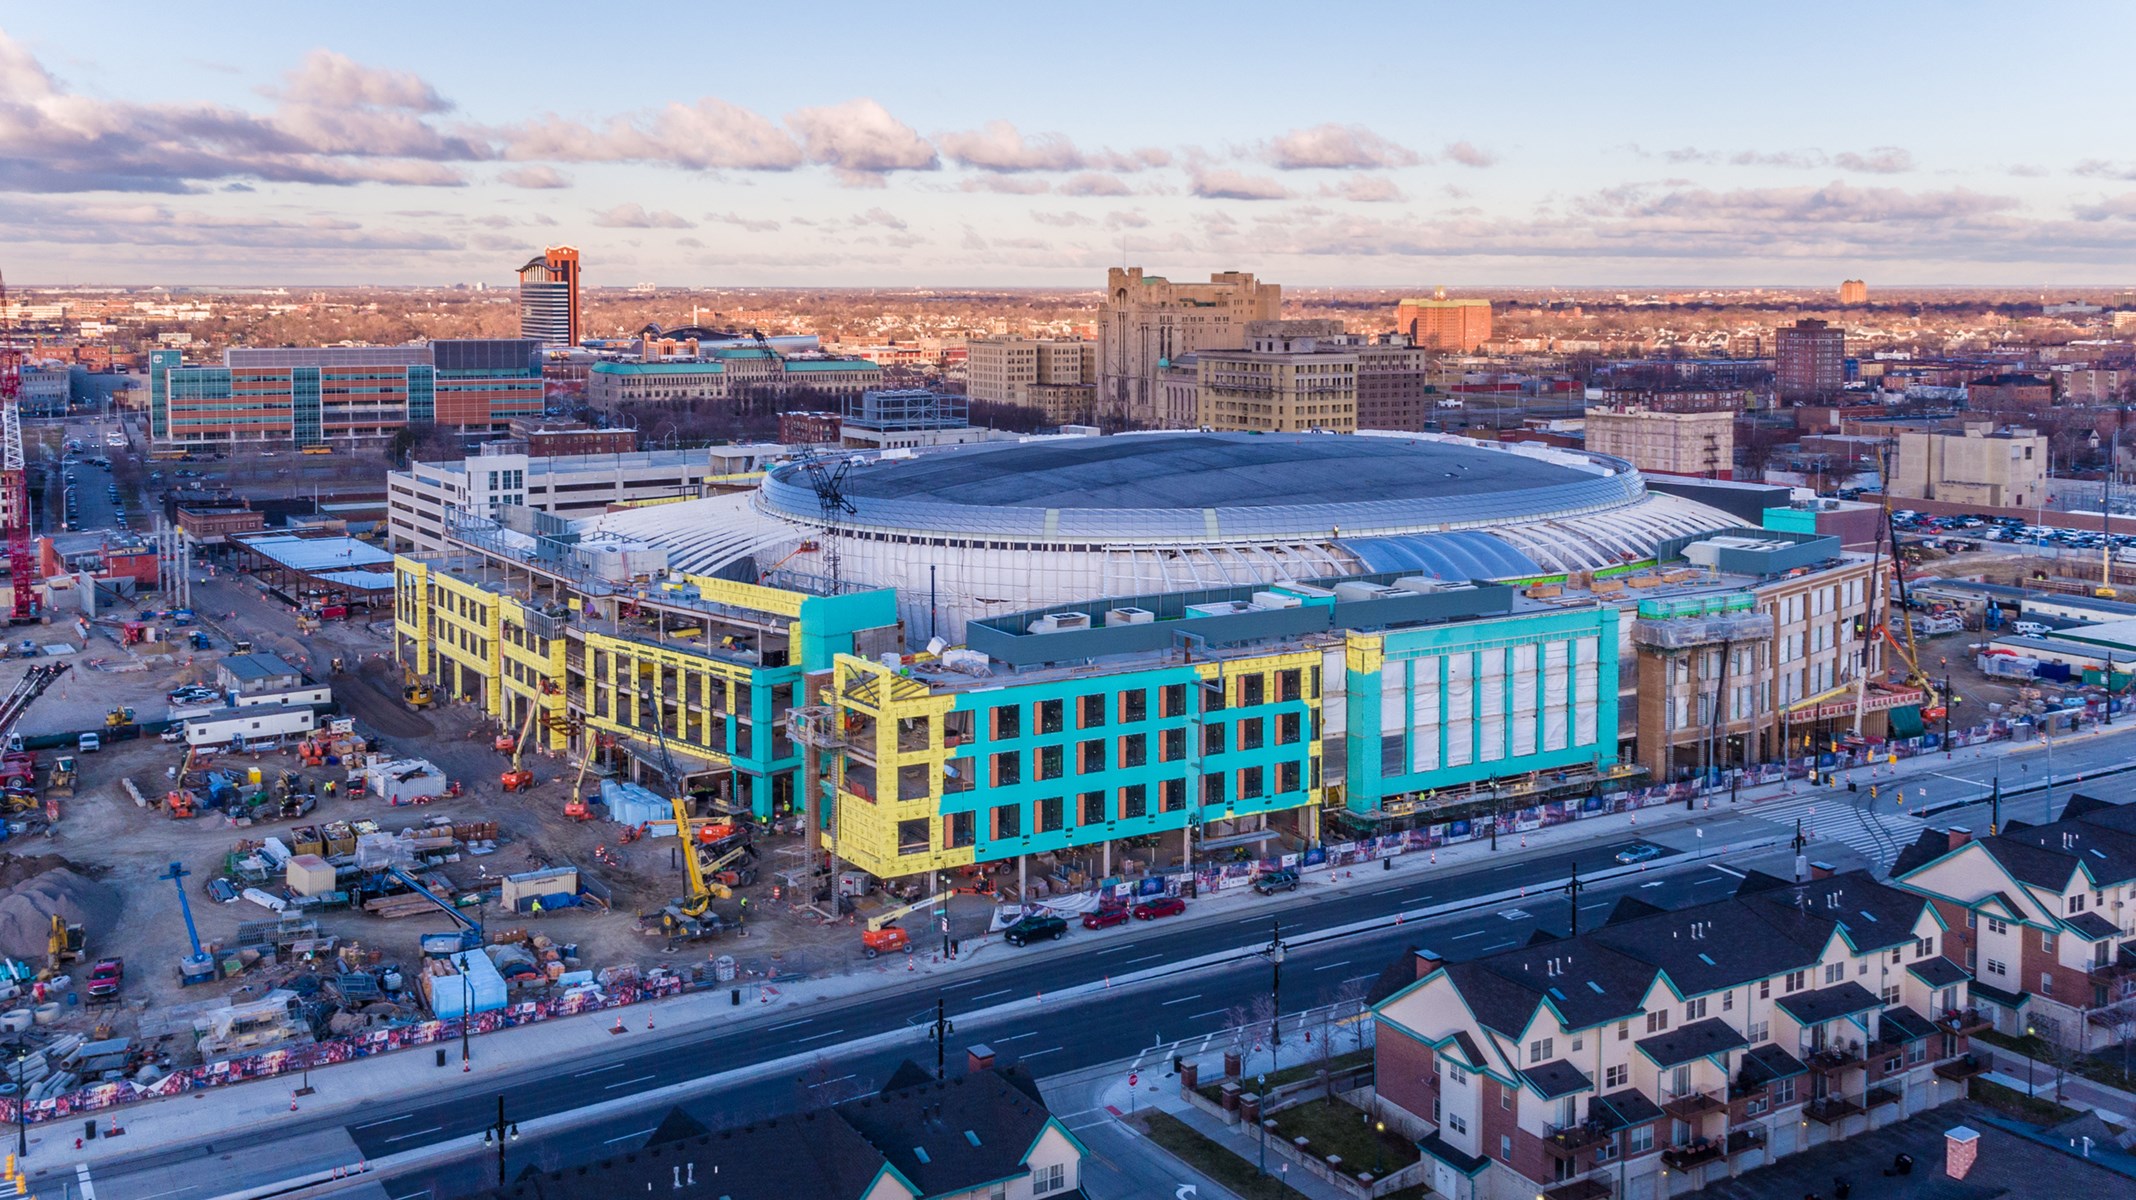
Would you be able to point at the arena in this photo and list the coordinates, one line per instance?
(996, 528)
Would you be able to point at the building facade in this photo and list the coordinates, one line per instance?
(1059, 378)
(1700, 444)
(1853, 292)
(1665, 1051)
(549, 297)
(1983, 465)
(1458, 326)
(614, 384)
(337, 394)
(2012, 395)
(1394, 388)
(1145, 321)
(1291, 377)
(1810, 360)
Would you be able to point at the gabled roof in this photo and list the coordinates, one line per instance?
(1688, 1043)
(1625, 1109)
(1902, 1024)
(2091, 926)
(814, 1154)
(1824, 1004)
(953, 1136)
(1930, 846)
(1768, 1062)
(1938, 972)
(1556, 1078)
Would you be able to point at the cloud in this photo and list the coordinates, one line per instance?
(2099, 168)
(1092, 183)
(709, 135)
(1061, 219)
(1014, 185)
(535, 178)
(752, 224)
(1126, 220)
(1469, 155)
(635, 216)
(2025, 170)
(1218, 184)
(1365, 189)
(1336, 146)
(1000, 147)
(862, 142)
(2121, 208)
(1879, 160)
(333, 80)
(1799, 159)
(877, 216)
(160, 226)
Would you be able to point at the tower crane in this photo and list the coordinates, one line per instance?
(14, 472)
(829, 483)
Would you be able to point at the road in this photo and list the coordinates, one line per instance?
(1186, 1008)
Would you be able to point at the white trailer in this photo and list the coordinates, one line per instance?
(250, 726)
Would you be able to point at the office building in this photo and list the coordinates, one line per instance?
(1984, 465)
(1811, 361)
(1394, 388)
(724, 373)
(1145, 321)
(1059, 378)
(1291, 377)
(549, 297)
(332, 395)
(1668, 1050)
(1452, 326)
(556, 437)
(1853, 292)
(1700, 444)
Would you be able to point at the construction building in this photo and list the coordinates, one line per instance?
(1459, 326)
(1057, 377)
(1291, 377)
(1810, 361)
(1982, 465)
(549, 297)
(1700, 444)
(1146, 321)
(1668, 1050)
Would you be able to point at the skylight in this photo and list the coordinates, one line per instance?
(1708, 961)
(971, 1137)
(1598, 987)
(1868, 916)
(920, 1152)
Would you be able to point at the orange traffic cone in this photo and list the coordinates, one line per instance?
(648, 1022)
(292, 1102)
(619, 1024)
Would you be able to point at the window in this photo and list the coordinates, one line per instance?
(1894, 956)
(1172, 700)
(1008, 769)
(1657, 1020)
(1174, 795)
(1998, 926)
(1455, 1123)
(1505, 1147)
(1287, 726)
(1134, 750)
(1008, 821)
(1457, 1077)
(1213, 789)
(1134, 801)
(1891, 995)
(1917, 1051)
(1765, 989)
(1090, 757)
(1008, 722)
(1053, 1177)
(1624, 1030)
(1539, 1049)
(1614, 1077)
(1212, 739)
(1090, 712)
(1050, 761)
(1835, 972)
(1049, 716)
(1925, 947)
(1134, 705)
(2046, 983)
(1758, 1032)
(1728, 1001)
(1755, 1106)
(1049, 815)
(1172, 745)
(1894, 1063)
(1287, 685)
(1695, 1010)
(1505, 1099)
(2076, 903)
(1641, 1140)
(1607, 1150)
(1252, 734)
(1090, 808)
(1996, 967)
(1783, 1091)
(1287, 776)
(1577, 1041)
(2046, 941)
(1253, 783)
(1794, 981)
(1253, 689)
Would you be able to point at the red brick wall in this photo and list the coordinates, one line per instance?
(1402, 1071)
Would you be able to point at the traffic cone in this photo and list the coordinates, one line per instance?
(292, 1102)
(619, 1024)
(648, 1022)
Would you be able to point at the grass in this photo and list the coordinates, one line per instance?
(2013, 1103)
(1250, 1080)
(1198, 1152)
(2091, 1067)
(1340, 1128)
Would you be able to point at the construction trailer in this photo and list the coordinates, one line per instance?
(245, 727)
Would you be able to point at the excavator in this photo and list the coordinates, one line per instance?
(415, 691)
(883, 937)
(517, 778)
(64, 946)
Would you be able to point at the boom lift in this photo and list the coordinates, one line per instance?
(691, 913)
(882, 937)
(467, 937)
(576, 807)
(517, 778)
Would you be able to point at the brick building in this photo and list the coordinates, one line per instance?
(1811, 362)
(550, 438)
(1672, 443)
(1393, 384)
(2010, 394)
(1456, 326)
(1145, 321)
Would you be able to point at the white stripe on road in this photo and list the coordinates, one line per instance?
(1214, 1012)
(81, 1176)
(1457, 937)
(584, 1074)
(387, 1121)
(1184, 999)
(1333, 966)
(1012, 1037)
(626, 1137)
(418, 1133)
(817, 1037)
(991, 995)
(1728, 870)
(627, 1082)
(791, 1024)
(1047, 1050)
(1128, 962)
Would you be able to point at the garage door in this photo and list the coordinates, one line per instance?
(1783, 1138)
(1639, 1187)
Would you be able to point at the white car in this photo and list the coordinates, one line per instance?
(2029, 629)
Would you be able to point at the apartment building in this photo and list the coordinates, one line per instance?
(1394, 389)
(1700, 444)
(1853, 292)
(1291, 377)
(1810, 360)
(549, 297)
(1667, 1050)
(330, 395)
(2043, 917)
(1982, 465)
(2010, 395)
(1457, 326)
(1057, 377)
(1145, 321)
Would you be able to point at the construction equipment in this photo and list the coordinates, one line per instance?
(64, 773)
(14, 472)
(119, 716)
(831, 502)
(882, 937)
(691, 914)
(807, 546)
(197, 967)
(415, 691)
(508, 743)
(65, 944)
(576, 807)
(468, 935)
(742, 876)
(32, 685)
(1908, 653)
(181, 805)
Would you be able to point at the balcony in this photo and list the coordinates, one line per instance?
(1966, 1021)
(1833, 1059)
(1740, 1140)
(1694, 1154)
(1568, 1140)
(1880, 1095)
(1689, 1106)
(1830, 1110)
(1965, 1066)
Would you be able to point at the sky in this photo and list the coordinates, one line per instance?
(1471, 145)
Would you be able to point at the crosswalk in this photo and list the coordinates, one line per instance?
(1876, 834)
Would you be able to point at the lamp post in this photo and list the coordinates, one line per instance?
(1948, 700)
(1275, 982)
(22, 1105)
(1261, 1118)
(1379, 1149)
(467, 1016)
(2029, 1031)
(497, 1135)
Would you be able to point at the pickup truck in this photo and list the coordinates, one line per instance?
(105, 977)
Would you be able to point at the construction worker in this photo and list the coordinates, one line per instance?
(537, 907)
(329, 789)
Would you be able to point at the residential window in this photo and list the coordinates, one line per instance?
(1049, 815)
(2076, 903)
(1213, 789)
(2046, 942)
(1624, 1030)
(1134, 705)
(1134, 801)
(1050, 760)
(1794, 980)
(1539, 1049)
(1457, 1077)
(1287, 775)
(1212, 739)
(1455, 1123)
(1577, 1040)
(1996, 967)
(1008, 821)
(1172, 700)
(1287, 726)
(1641, 1140)
(1051, 1178)
(1765, 989)
(1505, 1147)
(1917, 1052)
(1614, 1077)
(1287, 685)
(1253, 783)
(1050, 719)
(1728, 1001)
(1894, 1063)
(1090, 808)
(1505, 1099)
(1758, 1032)
(1090, 712)
(1174, 795)
(1008, 769)
(1172, 745)
(1657, 1020)
(1008, 722)
(1894, 956)
(1924, 947)
(1783, 1091)
(1253, 690)
(1891, 995)
(2046, 983)
(1835, 972)
(1998, 926)
(1695, 1010)
(1252, 734)
(1135, 750)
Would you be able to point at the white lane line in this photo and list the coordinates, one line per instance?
(1014, 1036)
(1333, 966)
(1118, 949)
(595, 1071)
(1499, 946)
(1214, 1012)
(1184, 999)
(1457, 937)
(951, 987)
(627, 1082)
(1355, 978)
(991, 995)
(1047, 1050)
(409, 1196)
(1656, 883)
(1128, 962)
(1252, 921)
(386, 1121)
(1727, 870)
(418, 1133)
(817, 1037)
(626, 1137)
(81, 1176)
(792, 1024)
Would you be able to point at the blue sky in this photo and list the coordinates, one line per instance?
(1015, 144)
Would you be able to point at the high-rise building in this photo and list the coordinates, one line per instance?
(1812, 359)
(1292, 377)
(1458, 326)
(1853, 291)
(1058, 377)
(1146, 321)
(1393, 383)
(549, 297)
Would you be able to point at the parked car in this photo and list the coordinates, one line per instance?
(2028, 629)
(1268, 883)
(90, 743)
(106, 975)
(1638, 853)
(1160, 906)
(175, 733)
(1106, 917)
(222, 891)
(1036, 927)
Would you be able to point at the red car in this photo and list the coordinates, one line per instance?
(104, 977)
(1106, 918)
(1162, 906)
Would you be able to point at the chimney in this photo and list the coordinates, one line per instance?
(978, 1057)
(1427, 962)
(1820, 870)
(1959, 835)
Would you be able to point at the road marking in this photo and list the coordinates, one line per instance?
(1214, 1012)
(1205, 1042)
(792, 1024)
(951, 987)
(1597, 904)
(1727, 870)
(409, 1196)
(1513, 914)
(1145, 958)
(81, 1176)
(627, 1082)
(584, 1074)
(1499, 946)
(1092, 1124)
(1251, 921)
(418, 1133)
(387, 1121)
(1656, 883)
(1012, 1037)
(1047, 1050)
(991, 995)
(1118, 949)
(817, 1037)
(1457, 937)
(1181, 1000)
(626, 1137)
(1333, 966)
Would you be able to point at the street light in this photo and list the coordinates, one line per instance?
(467, 1012)
(2029, 1031)
(22, 1104)
(1261, 1118)
(1379, 1148)
(497, 1135)
(1275, 984)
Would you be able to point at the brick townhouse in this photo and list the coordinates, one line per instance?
(1669, 1049)
(2040, 915)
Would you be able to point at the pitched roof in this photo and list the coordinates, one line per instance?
(1839, 1000)
(2091, 926)
(1769, 1061)
(1938, 972)
(1930, 846)
(1902, 1024)
(1556, 1078)
(953, 1136)
(1687, 1043)
(1624, 1109)
(814, 1154)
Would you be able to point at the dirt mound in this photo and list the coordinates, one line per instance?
(14, 868)
(27, 907)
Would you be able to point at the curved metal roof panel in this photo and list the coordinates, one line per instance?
(1463, 554)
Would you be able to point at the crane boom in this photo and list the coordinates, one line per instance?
(32, 685)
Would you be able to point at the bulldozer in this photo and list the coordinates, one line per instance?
(415, 692)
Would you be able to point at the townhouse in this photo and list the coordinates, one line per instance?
(1665, 1050)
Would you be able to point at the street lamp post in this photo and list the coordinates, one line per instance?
(1379, 1148)
(1275, 982)
(467, 1015)
(497, 1135)
(1261, 1118)
(1948, 700)
(22, 1105)
(2029, 1031)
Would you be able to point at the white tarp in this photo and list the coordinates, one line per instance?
(1556, 690)
(1585, 695)
(1525, 698)
(1424, 743)
(1491, 704)
(1460, 710)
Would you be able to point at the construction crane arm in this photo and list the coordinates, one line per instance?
(876, 922)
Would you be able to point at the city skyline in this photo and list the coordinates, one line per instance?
(1407, 148)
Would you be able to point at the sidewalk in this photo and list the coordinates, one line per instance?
(2075, 1091)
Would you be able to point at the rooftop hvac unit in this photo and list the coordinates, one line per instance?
(1420, 584)
(1275, 600)
(1221, 608)
(1366, 591)
(1129, 616)
(1060, 622)
(1309, 590)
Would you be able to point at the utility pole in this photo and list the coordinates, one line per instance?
(1275, 981)
(1572, 893)
(939, 1033)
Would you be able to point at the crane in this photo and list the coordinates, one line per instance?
(517, 778)
(882, 937)
(829, 483)
(14, 472)
(686, 912)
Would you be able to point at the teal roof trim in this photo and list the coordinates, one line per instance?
(831, 364)
(667, 368)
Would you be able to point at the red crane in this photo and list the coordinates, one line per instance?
(14, 475)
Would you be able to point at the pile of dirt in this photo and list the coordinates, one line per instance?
(27, 907)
